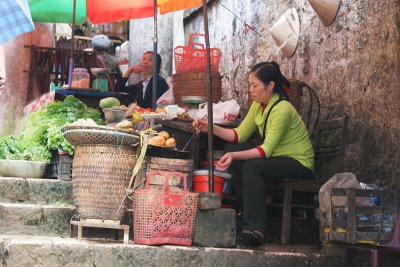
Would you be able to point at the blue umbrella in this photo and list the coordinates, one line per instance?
(15, 19)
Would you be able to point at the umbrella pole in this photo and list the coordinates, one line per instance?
(154, 93)
(209, 102)
(71, 54)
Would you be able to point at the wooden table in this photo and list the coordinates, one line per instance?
(89, 96)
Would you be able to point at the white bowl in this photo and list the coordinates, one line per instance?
(22, 168)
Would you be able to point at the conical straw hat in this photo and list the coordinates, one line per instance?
(285, 31)
(325, 9)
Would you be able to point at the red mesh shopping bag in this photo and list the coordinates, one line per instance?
(191, 59)
(164, 217)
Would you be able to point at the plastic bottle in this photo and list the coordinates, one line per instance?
(52, 86)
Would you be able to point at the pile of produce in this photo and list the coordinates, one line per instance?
(44, 126)
(162, 139)
(41, 130)
(13, 149)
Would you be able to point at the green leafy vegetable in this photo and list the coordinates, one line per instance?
(42, 129)
(13, 149)
(44, 126)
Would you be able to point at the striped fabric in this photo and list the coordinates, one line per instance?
(15, 19)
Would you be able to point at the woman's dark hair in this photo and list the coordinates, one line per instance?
(270, 71)
(159, 61)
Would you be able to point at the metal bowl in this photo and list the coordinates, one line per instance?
(114, 115)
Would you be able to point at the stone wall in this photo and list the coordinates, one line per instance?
(353, 65)
(16, 94)
(141, 35)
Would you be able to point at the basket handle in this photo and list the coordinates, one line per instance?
(194, 35)
(192, 45)
(166, 187)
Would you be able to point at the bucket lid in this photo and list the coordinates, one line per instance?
(102, 70)
(224, 175)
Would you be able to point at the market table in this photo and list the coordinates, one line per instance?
(197, 148)
(89, 96)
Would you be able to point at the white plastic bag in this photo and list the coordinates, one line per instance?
(167, 98)
(223, 112)
(122, 52)
(339, 180)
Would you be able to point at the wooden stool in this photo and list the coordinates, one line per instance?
(97, 223)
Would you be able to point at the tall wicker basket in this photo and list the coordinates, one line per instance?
(100, 175)
(195, 84)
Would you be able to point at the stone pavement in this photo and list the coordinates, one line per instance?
(34, 231)
(26, 251)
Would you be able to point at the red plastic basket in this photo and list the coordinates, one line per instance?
(191, 59)
(164, 217)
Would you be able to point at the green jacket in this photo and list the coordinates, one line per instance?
(285, 135)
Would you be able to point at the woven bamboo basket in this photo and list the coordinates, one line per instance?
(195, 84)
(99, 135)
(100, 175)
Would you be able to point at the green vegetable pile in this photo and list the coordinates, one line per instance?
(12, 148)
(41, 130)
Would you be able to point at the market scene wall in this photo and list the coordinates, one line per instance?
(353, 65)
(16, 94)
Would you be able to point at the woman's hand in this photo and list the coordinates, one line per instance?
(133, 69)
(225, 161)
(200, 125)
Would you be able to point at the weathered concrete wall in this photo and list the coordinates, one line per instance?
(353, 64)
(17, 94)
(141, 35)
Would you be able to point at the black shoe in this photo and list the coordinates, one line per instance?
(253, 237)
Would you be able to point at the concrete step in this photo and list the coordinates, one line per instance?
(24, 251)
(40, 191)
(35, 219)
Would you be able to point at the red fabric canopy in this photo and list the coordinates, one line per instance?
(100, 11)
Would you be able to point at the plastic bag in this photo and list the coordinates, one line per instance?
(340, 180)
(122, 52)
(223, 112)
(167, 98)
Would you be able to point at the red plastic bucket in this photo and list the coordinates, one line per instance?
(200, 181)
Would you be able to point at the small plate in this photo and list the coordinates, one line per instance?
(158, 116)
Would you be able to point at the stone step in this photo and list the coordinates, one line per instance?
(24, 251)
(40, 191)
(35, 219)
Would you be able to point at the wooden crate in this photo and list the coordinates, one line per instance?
(353, 224)
(150, 164)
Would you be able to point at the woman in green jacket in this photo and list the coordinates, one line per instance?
(285, 151)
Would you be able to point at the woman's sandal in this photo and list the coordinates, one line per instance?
(253, 237)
